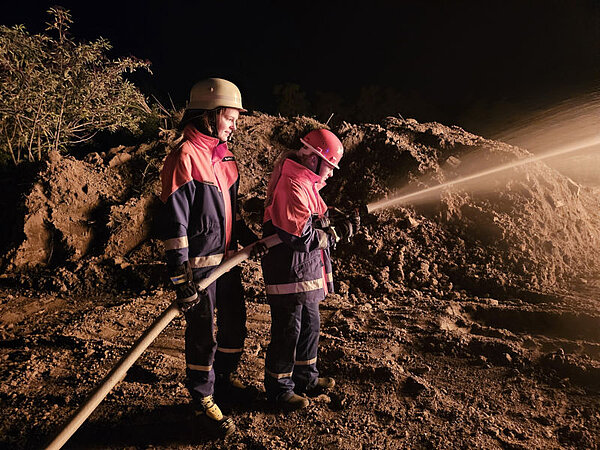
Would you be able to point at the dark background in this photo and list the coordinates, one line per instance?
(470, 63)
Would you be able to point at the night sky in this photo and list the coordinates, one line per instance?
(460, 62)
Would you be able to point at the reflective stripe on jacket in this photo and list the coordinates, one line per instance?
(299, 269)
(199, 190)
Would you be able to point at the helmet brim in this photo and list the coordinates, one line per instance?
(319, 154)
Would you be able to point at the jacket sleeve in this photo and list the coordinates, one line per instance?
(178, 190)
(293, 221)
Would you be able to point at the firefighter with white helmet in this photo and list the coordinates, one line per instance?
(200, 227)
(298, 271)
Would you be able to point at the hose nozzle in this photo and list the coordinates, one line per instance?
(363, 210)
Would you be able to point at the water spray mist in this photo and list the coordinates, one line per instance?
(425, 194)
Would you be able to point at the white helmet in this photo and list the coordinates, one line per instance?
(213, 93)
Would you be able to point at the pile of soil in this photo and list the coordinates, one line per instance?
(468, 320)
(526, 229)
(531, 228)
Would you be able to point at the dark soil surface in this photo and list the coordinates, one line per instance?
(469, 320)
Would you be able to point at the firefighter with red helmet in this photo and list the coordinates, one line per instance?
(297, 272)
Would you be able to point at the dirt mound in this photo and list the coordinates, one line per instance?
(532, 228)
(527, 228)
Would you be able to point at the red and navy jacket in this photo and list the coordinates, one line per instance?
(199, 192)
(299, 269)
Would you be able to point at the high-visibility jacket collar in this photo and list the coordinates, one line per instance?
(200, 140)
(296, 170)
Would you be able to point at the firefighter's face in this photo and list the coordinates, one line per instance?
(313, 162)
(326, 170)
(226, 123)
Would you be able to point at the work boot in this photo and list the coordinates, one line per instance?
(292, 402)
(229, 388)
(212, 419)
(324, 384)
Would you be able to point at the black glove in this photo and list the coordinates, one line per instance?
(344, 229)
(258, 251)
(322, 222)
(183, 281)
(346, 226)
(355, 220)
(202, 305)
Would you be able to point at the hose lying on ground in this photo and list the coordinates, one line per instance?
(119, 371)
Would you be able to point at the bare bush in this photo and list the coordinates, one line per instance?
(56, 92)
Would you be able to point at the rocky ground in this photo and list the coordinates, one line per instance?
(469, 320)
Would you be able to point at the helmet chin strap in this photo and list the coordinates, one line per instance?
(319, 164)
(212, 120)
(304, 151)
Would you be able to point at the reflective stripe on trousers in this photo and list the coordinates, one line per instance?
(278, 376)
(200, 368)
(230, 350)
(306, 363)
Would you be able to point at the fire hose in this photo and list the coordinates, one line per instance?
(119, 371)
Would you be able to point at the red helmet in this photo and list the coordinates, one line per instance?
(325, 144)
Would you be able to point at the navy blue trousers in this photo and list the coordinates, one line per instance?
(205, 355)
(291, 362)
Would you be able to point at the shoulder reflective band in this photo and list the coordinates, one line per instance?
(294, 288)
(206, 261)
(176, 243)
(329, 277)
